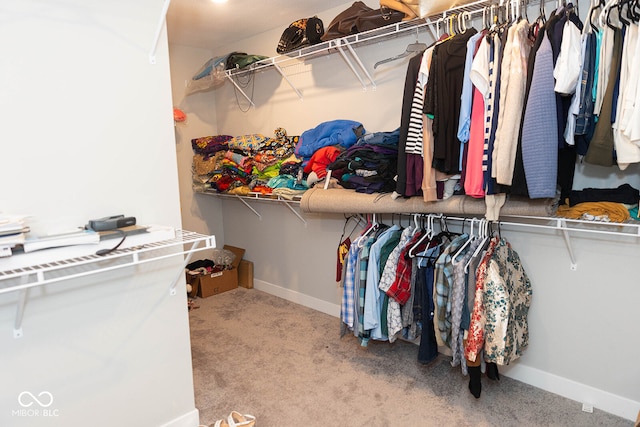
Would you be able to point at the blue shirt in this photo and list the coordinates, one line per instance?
(373, 296)
(464, 123)
(347, 307)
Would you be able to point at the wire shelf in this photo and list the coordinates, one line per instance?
(64, 269)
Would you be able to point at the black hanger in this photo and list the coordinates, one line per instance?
(620, 5)
(598, 6)
(608, 21)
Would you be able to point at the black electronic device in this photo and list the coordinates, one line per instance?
(111, 222)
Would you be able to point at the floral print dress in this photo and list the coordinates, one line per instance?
(502, 300)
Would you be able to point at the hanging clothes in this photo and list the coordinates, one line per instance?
(514, 74)
(600, 150)
(539, 128)
(407, 101)
(442, 99)
(503, 295)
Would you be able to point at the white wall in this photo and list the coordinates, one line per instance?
(87, 131)
(199, 213)
(581, 322)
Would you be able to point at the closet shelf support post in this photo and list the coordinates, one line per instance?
(249, 206)
(284, 76)
(22, 300)
(180, 275)
(163, 16)
(361, 65)
(562, 225)
(295, 212)
(228, 74)
(431, 28)
(349, 63)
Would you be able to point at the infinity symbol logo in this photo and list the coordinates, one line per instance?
(26, 399)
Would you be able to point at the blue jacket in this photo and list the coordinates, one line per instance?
(336, 132)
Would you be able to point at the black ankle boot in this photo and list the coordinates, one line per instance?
(475, 386)
(492, 371)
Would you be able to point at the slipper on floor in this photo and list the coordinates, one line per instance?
(236, 419)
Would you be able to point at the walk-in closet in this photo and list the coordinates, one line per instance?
(107, 335)
(569, 263)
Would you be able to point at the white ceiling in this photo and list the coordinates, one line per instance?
(208, 25)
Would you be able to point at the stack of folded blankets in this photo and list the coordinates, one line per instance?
(287, 166)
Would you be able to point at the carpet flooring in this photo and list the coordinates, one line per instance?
(287, 365)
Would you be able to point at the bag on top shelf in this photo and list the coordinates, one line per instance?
(303, 32)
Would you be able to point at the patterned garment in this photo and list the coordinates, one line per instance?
(248, 144)
(209, 145)
(444, 286)
(458, 300)
(347, 306)
(394, 317)
(373, 296)
(410, 327)
(400, 289)
(507, 298)
(364, 263)
(475, 338)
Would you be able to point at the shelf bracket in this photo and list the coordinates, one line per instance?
(295, 212)
(361, 65)
(163, 16)
(228, 74)
(187, 259)
(284, 76)
(431, 28)
(562, 225)
(349, 63)
(250, 207)
(22, 301)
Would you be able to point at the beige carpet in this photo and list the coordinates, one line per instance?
(287, 365)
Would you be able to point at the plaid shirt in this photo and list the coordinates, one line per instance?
(347, 307)
(400, 289)
(443, 286)
(364, 262)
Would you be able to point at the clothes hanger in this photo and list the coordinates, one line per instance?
(619, 6)
(596, 5)
(605, 15)
(454, 258)
(484, 224)
(372, 227)
(344, 228)
(543, 14)
(411, 49)
(428, 234)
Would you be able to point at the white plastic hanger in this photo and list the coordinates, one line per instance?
(428, 234)
(484, 226)
(373, 227)
(412, 49)
(454, 259)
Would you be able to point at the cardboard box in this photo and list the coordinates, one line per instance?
(245, 274)
(222, 281)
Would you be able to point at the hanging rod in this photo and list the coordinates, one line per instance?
(564, 225)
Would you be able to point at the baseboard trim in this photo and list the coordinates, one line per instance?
(581, 393)
(297, 297)
(190, 419)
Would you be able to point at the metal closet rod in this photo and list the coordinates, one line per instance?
(564, 225)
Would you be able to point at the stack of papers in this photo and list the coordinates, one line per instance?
(80, 237)
(12, 233)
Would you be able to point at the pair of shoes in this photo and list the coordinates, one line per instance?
(236, 419)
